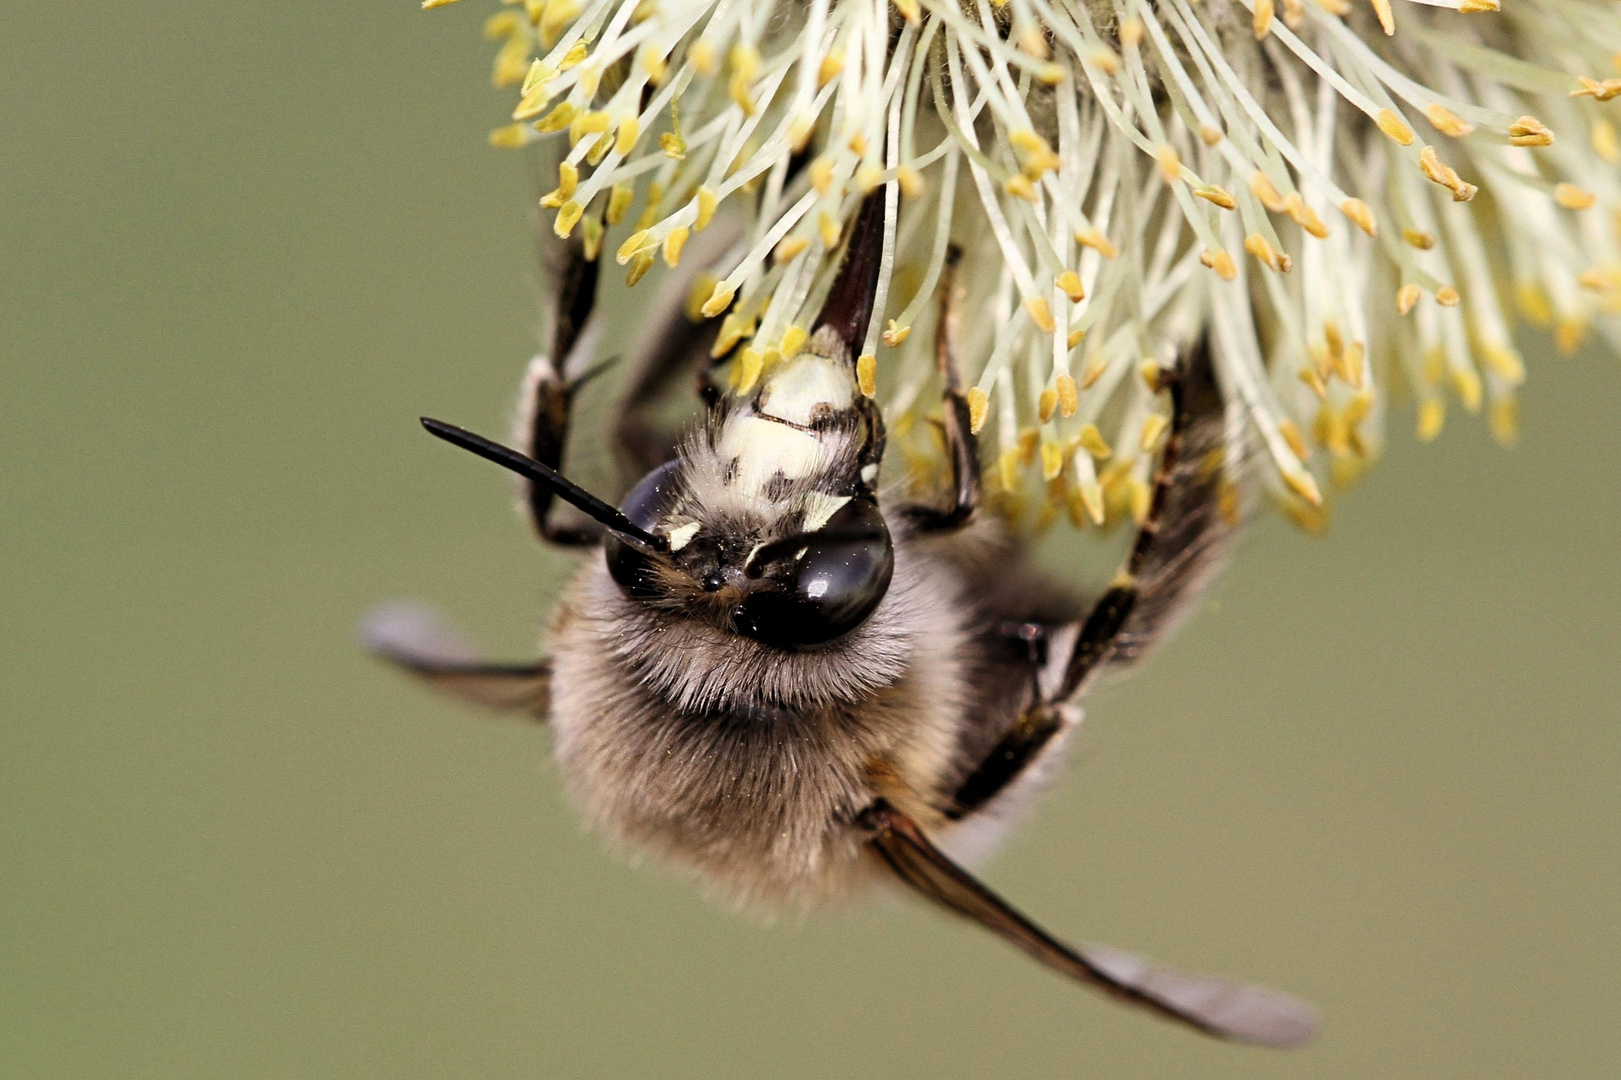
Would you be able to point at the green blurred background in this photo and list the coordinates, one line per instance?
(245, 245)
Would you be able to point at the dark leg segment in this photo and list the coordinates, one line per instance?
(961, 444)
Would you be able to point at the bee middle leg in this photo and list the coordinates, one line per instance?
(961, 444)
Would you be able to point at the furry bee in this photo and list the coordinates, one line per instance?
(772, 674)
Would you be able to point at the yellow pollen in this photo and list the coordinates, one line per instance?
(1605, 142)
(1210, 136)
(830, 68)
(1529, 131)
(1040, 313)
(1504, 420)
(1258, 246)
(978, 406)
(639, 266)
(1598, 91)
(867, 373)
(1046, 405)
(1395, 127)
(1261, 21)
(1447, 122)
(1264, 191)
(1095, 240)
(1421, 240)
(625, 138)
(1170, 165)
(1291, 435)
(1302, 483)
(749, 365)
(1304, 216)
(708, 200)
(1406, 297)
(703, 57)
(620, 197)
(1096, 365)
(1437, 171)
(789, 248)
(1359, 212)
(1218, 195)
(1221, 263)
(1447, 296)
(1572, 197)
(429, 5)
(592, 240)
(733, 329)
(718, 300)
(1475, 7)
(821, 174)
(910, 11)
(1152, 376)
(1092, 441)
(1075, 337)
(1070, 283)
(1052, 460)
(567, 218)
(1068, 400)
(911, 184)
(1019, 185)
(1432, 414)
(556, 120)
(1153, 428)
(894, 334)
(793, 339)
(702, 286)
(1467, 385)
(673, 244)
(868, 177)
(828, 226)
(510, 137)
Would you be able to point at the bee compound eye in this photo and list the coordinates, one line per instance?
(830, 589)
(647, 502)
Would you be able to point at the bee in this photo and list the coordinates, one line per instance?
(771, 673)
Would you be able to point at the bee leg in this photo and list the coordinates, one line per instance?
(1192, 516)
(962, 446)
(1215, 1006)
(547, 396)
(416, 638)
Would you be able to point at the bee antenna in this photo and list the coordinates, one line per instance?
(551, 479)
(849, 304)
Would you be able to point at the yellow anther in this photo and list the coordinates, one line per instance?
(733, 329)
(1091, 440)
(532, 104)
(1529, 131)
(599, 150)
(633, 244)
(821, 174)
(1046, 404)
(1568, 334)
(556, 15)
(1050, 74)
(1437, 171)
(830, 68)
(828, 226)
(556, 120)
(703, 57)
(620, 197)
(1075, 337)
(1152, 375)
(539, 72)
(1007, 469)
(978, 406)
(737, 88)
(1261, 19)
(1475, 7)
(1267, 194)
(1040, 313)
(749, 365)
(718, 300)
(1432, 415)
(702, 286)
(1311, 378)
(1466, 383)
(1303, 483)
(592, 239)
(568, 178)
(1153, 428)
(1029, 440)
(1019, 186)
(655, 63)
(1421, 240)
(1291, 435)
(1068, 399)
(1304, 216)
(673, 243)
(1359, 212)
(589, 123)
(868, 177)
(911, 184)
(1447, 122)
(858, 144)
(1258, 246)
(1599, 279)
(1504, 420)
(1605, 142)
(1353, 363)
(896, 333)
(1132, 32)
(1504, 362)
(1095, 240)
(1096, 365)
(1533, 303)
(910, 11)
(574, 57)
(625, 138)
(429, 5)
(1387, 18)
(708, 200)
(639, 266)
(567, 217)
(1435, 366)
(789, 248)
(510, 137)
(1218, 195)
(1395, 127)
(867, 373)
(1069, 282)
(1572, 197)
(1596, 89)
(1447, 296)
(1210, 136)
(1221, 262)
(503, 25)
(1052, 460)
(673, 145)
(1170, 163)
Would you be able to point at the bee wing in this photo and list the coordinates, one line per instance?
(1216, 1006)
(418, 639)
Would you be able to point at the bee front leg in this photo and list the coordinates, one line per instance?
(962, 446)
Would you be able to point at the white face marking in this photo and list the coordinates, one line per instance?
(819, 507)
(869, 473)
(763, 448)
(795, 389)
(682, 536)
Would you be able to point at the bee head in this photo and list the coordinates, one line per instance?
(792, 574)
